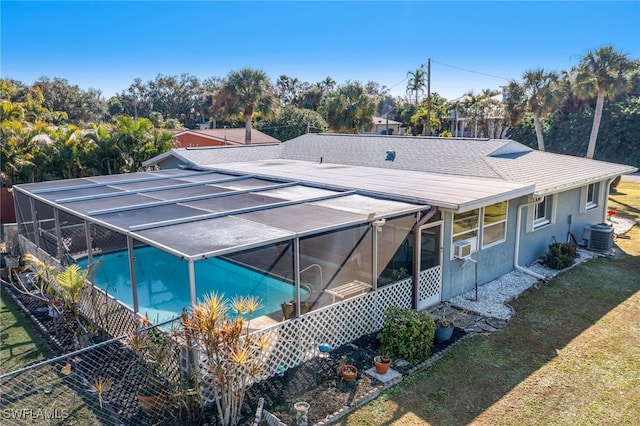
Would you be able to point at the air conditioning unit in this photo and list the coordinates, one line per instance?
(461, 249)
(598, 237)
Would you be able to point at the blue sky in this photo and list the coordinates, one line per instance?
(472, 45)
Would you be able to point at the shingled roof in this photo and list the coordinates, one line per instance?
(467, 164)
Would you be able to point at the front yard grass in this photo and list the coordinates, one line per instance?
(570, 355)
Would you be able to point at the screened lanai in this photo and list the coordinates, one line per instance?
(159, 241)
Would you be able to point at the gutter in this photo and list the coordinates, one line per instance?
(416, 240)
(516, 253)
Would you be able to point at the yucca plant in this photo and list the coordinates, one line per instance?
(234, 358)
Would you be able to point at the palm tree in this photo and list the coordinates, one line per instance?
(417, 82)
(603, 73)
(539, 93)
(348, 109)
(248, 90)
(72, 281)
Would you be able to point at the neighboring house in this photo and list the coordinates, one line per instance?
(219, 137)
(384, 126)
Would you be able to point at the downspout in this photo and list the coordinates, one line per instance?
(605, 199)
(517, 248)
(416, 253)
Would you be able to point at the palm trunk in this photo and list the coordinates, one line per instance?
(248, 113)
(538, 126)
(597, 117)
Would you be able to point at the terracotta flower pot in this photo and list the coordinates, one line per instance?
(150, 403)
(382, 364)
(349, 372)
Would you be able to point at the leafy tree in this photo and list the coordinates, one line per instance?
(539, 93)
(603, 73)
(293, 122)
(439, 110)
(348, 109)
(80, 106)
(114, 106)
(246, 90)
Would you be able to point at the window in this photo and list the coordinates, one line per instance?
(591, 195)
(494, 224)
(544, 213)
(465, 227)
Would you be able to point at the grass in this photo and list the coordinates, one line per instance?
(25, 395)
(570, 356)
(20, 344)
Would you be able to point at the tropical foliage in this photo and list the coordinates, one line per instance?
(293, 122)
(603, 73)
(349, 109)
(245, 92)
(234, 358)
(53, 129)
(538, 93)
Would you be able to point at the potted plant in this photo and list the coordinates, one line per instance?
(347, 371)
(444, 329)
(381, 363)
(446, 324)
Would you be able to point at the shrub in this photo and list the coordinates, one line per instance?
(407, 333)
(560, 255)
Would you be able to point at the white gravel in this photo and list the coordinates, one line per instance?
(494, 295)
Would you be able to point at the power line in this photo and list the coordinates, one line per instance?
(471, 71)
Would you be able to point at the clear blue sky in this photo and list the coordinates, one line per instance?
(472, 45)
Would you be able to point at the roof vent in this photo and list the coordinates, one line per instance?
(391, 155)
(511, 149)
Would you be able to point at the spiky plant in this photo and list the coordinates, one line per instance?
(234, 358)
(100, 386)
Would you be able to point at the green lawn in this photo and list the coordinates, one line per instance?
(20, 345)
(570, 356)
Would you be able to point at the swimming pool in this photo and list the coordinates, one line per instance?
(163, 282)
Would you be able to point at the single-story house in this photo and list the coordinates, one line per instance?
(219, 137)
(328, 230)
(507, 201)
(384, 126)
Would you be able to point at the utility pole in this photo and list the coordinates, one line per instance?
(429, 97)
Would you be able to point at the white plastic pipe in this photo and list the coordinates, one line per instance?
(517, 248)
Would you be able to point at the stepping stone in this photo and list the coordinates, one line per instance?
(497, 323)
(384, 378)
(486, 327)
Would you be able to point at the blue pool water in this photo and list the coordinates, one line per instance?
(163, 282)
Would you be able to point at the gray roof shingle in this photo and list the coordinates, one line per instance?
(434, 160)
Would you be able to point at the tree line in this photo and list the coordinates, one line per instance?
(53, 129)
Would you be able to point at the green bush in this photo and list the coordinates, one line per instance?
(407, 333)
(560, 255)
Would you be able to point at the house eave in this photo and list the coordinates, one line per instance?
(583, 182)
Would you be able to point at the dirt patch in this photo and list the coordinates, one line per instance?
(319, 383)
